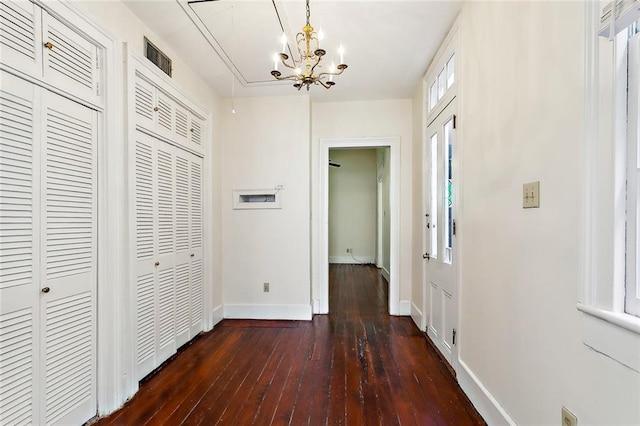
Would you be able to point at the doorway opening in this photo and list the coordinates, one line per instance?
(359, 213)
(366, 249)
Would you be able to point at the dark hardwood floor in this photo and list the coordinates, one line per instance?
(355, 366)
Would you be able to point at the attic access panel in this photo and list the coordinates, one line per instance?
(231, 26)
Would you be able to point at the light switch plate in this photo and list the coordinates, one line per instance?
(568, 418)
(531, 195)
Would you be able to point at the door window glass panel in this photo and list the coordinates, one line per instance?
(442, 84)
(433, 197)
(451, 77)
(433, 95)
(448, 191)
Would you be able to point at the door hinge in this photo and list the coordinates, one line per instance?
(98, 88)
(98, 63)
(455, 121)
(454, 336)
(454, 227)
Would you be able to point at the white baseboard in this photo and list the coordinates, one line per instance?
(350, 260)
(385, 274)
(268, 312)
(405, 307)
(217, 314)
(480, 397)
(416, 316)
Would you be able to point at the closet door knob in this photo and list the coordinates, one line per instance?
(45, 289)
(156, 108)
(192, 254)
(157, 264)
(48, 45)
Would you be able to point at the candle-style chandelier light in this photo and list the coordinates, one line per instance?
(306, 67)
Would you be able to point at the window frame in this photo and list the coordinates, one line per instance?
(632, 284)
(607, 328)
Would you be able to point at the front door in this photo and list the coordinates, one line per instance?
(440, 304)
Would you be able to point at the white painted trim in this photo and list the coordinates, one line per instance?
(416, 316)
(385, 273)
(213, 313)
(268, 312)
(322, 221)
(614, 334)
(360, 260)
(217, 315)
(405, 308)
(488, 407)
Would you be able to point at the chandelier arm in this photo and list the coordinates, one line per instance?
(316, 64)
(323, 84)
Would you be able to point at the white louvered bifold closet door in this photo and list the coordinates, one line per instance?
(47, 256)
(182, 248)
(19, 254)
(20, 36)
(168, 241)
(146, 249)
(69, 229)
(155, 260)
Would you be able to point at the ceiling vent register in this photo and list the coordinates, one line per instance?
(159, 58)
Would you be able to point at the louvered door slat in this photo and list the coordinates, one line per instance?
(69, 253)
(17, 368)
(71, 62)
(196, 296)
(182, 202)
(165, 170)
(166, 115)
(19, 258)
(196, 133)
(166, 314)
(20, 37)
(144, 99)
(69, 157)
(17, 179)
(145, 318)
(196, 215)
(181, 134)
(144, 198)
(195, 191)
(183, 322)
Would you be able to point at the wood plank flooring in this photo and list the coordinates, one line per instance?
(355, 366)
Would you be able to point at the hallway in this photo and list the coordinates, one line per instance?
(356, 366)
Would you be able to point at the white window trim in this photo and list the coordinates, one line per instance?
(606, 327)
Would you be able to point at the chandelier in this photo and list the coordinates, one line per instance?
(304, 67)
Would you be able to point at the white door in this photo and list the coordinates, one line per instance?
(68, 260)
(19, 254)
(439, 237)
(47, 256)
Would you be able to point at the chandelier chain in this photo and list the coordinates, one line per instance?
(308, 13)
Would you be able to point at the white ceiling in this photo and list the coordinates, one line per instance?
(388, 44)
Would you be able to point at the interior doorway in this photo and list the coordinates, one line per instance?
(393, 159)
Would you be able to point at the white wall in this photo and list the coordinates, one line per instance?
(266, 143)
(368, 119)
(520, 121)
(352, 206)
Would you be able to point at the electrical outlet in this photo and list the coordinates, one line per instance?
(568, 418)
(265, 287)
(531, 195)
(349, 250)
